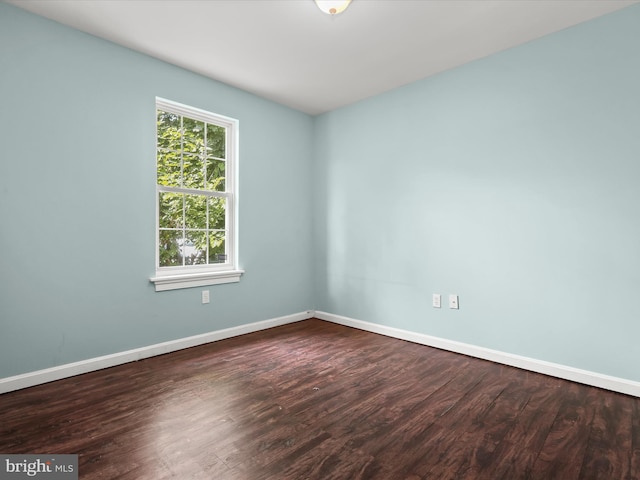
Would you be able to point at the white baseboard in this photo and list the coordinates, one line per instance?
(586, 377)
(38, 377)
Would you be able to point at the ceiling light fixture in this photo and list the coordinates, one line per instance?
(333, 7)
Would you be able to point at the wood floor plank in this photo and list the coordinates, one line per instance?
(489, 428)
(334, 460)
(609, 448)
(391, 442)
(516, 453)
(569, 434)
(316, 400)
(450, 451)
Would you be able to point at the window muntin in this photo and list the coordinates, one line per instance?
(195, 167)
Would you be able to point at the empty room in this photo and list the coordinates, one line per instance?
(299, 239)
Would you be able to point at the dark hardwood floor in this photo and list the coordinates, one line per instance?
(314, 400)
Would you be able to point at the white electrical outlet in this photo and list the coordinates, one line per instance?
(205, 296)
(453, 301)
(436, 300)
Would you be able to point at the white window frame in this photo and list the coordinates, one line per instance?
(172, 278)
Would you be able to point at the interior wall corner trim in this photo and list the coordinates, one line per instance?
(615, 384)
(39, 377)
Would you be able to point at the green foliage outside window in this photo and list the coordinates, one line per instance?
(190, 155)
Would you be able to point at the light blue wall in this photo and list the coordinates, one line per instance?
(77, 201)
(514, 182)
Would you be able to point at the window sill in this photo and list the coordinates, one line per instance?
(189, 280)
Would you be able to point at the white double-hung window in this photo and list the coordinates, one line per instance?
(196, 197)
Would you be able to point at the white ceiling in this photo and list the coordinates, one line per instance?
(290, 52)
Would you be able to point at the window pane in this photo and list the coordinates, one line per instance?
(193, 193)
(169, 135)
(217, 213)
(170, 211)
(217, 252)
(215, 175)
(193, 136)
(194, 248)
(192, 171)
(216, 141)
(169, 248)
(195, 211)
(169, 168)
